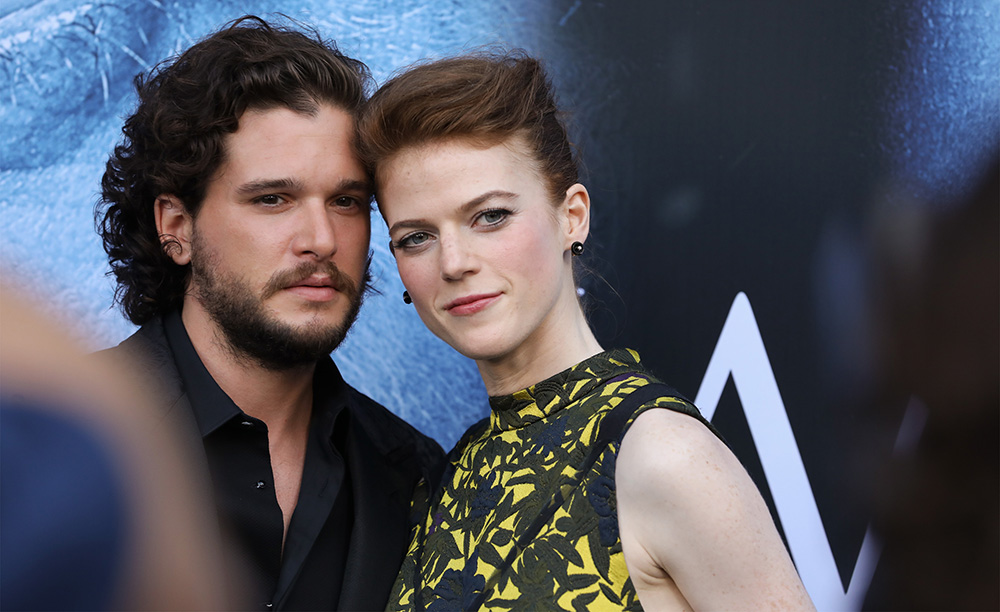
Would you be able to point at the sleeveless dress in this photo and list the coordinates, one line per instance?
(501, 475)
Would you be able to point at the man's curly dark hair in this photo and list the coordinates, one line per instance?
(174, 142)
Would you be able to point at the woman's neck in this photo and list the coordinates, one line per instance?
(563, 340)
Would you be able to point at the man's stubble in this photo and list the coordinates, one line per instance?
(249, 331)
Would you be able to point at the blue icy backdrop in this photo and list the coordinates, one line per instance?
(738, 154)
(66, 86)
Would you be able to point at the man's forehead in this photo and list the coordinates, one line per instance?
(275, 143)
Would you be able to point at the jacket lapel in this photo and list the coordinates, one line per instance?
(380, 534)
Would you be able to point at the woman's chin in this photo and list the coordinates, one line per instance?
(481, 349)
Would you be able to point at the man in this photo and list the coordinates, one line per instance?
(236, 220)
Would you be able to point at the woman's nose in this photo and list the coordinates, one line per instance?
(457, 259)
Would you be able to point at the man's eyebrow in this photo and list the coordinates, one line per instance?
(254, 187)
(464, 208)
(262, 185)
(356, 185)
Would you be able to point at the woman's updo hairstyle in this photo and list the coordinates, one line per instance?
(485, 97)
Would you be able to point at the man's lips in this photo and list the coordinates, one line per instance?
(314, 288)
(471, 304)
(315, 281)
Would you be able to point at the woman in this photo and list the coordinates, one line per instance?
(557, 500)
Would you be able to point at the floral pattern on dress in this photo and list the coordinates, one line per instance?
(502, 474)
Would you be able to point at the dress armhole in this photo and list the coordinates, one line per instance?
(677, 404)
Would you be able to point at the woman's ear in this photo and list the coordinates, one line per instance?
(174, 227)
(576, 207)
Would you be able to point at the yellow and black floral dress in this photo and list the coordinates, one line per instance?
(522, 520)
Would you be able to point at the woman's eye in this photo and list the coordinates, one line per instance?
(493, 216)
(413, 240)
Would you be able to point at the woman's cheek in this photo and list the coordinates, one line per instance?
(414, 278)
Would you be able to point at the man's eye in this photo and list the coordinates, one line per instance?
(347, 202)
(270, 199)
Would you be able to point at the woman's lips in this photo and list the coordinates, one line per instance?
(471, 304)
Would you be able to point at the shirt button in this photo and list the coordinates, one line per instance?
(260, 485)
(269, 605)
(247, 423)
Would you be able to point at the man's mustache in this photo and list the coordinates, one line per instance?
(286, 278)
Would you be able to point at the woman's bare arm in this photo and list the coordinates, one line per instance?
(694, 528)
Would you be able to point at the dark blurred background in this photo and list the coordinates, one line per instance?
(809, 156)
(831, 163)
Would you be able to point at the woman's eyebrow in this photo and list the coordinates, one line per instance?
(464, 208)
(489, 195)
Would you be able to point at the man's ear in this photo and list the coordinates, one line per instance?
(576, 208)
(174, 226)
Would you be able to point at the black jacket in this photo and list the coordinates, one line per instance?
(385, 456)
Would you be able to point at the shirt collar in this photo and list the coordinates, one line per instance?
(212, 407)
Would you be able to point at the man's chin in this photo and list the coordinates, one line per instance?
(276, 333)
(282, 347)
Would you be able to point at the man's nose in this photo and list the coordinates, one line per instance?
(317, 234)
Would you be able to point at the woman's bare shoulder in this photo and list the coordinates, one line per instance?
(666, 445)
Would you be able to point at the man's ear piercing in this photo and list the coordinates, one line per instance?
(406, 298)
(577, 248)
(170, 245)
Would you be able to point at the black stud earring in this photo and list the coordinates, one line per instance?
(406, 298)
(577, 248)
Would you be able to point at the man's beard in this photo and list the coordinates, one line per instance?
(250, 332)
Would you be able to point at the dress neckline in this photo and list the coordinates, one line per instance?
(545, 398)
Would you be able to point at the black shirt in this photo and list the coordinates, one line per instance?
(309, 574)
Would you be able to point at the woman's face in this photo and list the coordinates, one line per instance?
(480, 246)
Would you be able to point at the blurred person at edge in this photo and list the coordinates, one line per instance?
(236, 218)
(591, 485)
(937, 502)
(98, 514)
